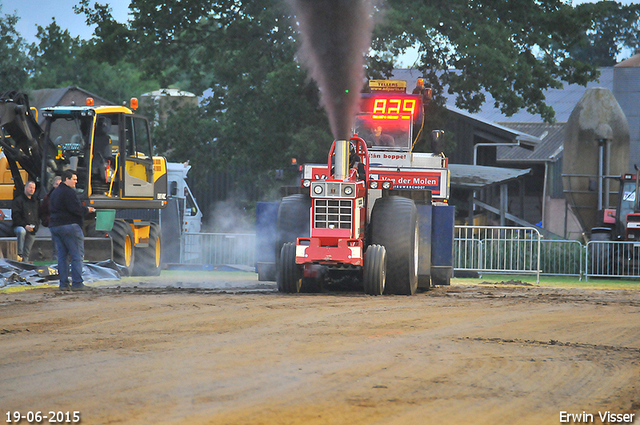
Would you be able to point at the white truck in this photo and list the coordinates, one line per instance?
(187, 205)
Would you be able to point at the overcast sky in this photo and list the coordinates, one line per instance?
(40, 12)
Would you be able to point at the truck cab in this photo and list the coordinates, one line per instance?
(188, 207)
(622, 223)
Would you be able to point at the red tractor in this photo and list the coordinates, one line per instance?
(376, 214)
(621, 224)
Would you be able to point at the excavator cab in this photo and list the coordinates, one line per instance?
(108, 146)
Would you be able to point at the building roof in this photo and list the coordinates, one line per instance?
(527, 126)
(53, 97)
(632, 62)
(549, 149)
(479, 176)
(563, 100)
(501, 131)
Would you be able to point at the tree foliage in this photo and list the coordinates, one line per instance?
(55, 57)
(614, 29)
(512, 49)
(262, 108)
(60, 60)
(14, 58)
(259, 106)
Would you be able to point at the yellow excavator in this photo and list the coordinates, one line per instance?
(110, 149)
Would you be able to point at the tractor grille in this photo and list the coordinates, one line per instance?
(332, 213)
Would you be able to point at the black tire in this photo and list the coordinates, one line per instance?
(394, 225)
(289, 273)
(123, 243)
(148, 259)
(375, 270)
(293, 222)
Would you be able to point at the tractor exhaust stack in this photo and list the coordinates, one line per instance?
(341, 159)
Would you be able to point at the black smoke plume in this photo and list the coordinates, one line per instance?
(336, 34)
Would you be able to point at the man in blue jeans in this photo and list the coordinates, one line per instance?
(65, 224)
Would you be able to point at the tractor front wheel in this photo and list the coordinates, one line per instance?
(290, 274)
(375, 270)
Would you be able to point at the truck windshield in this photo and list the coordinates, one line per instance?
(628, 199)
(385, 134)
(70, 136)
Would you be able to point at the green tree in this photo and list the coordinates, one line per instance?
(112, 41)
(264, 109)
(54, 58)
(60, 60)
(512, 49)
(14, 58)
(615, 29)
(117, 82)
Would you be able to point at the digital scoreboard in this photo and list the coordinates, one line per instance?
(385, 106)
(388, 115)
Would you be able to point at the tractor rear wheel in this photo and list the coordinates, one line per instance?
(289, 273)
(375, 270)
(293, 222)
(148, 258)
(123, 242)
(394, 225)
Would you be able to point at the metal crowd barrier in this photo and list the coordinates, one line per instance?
(482, 249)
(612, 259)
(497, 249)
(562, 258)
(218, 248)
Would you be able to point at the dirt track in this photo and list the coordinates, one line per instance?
(479, 354)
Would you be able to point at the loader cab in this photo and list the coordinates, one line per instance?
(108, 146)
(137, 170)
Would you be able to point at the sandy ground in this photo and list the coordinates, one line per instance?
(220, 351)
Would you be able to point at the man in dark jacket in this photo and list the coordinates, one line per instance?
(45, 212)
(65, 224)
(24, 213)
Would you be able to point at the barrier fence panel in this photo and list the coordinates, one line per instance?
(218, 248)
(483, 249)
(561, 258)
(612, 259)
(497, 249)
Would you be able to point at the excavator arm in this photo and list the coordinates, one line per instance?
(21, 138)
